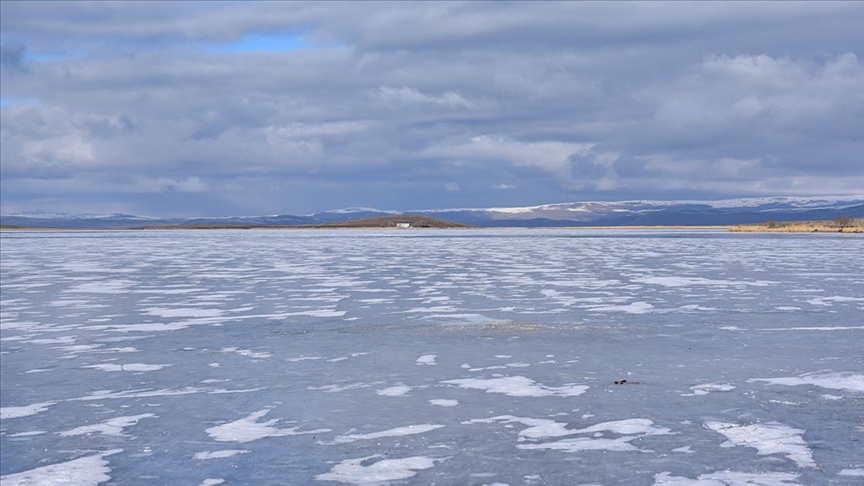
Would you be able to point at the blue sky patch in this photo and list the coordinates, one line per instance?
(9, 101)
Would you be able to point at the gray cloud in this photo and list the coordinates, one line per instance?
(386, 104)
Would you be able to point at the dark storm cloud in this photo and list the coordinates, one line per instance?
(295, 107)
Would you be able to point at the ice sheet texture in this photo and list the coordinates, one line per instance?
(419, 357)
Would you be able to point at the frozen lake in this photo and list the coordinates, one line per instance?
(420, 357)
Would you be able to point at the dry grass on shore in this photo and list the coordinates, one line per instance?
(840, 225)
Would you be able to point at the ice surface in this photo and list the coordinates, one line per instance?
(769, 438)
(112, 426)
(248, 429)
(211, 356)
(537, 428)
(689, 281)
(127, 367)
(361, 471)
(634, 308)
(443, 402)
(853, 382)
(84, 471)
(852, 472)
(207, 455)
(729, 478)
(395, 432)
(25, 411)
(518, 386)
(394, 391)
(707, 388)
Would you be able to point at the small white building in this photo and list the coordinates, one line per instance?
(403, 225)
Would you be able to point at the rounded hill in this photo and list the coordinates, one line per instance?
(394, 221)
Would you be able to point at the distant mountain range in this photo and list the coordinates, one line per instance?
(622, 213)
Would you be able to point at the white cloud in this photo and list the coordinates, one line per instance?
(504, 187)
(550, 156)
(451, 187)
(405, 96)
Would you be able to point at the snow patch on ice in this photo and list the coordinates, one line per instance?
(627, 429)
(856, 473)
(247, 352)
(690, 281)
(84, 471)
(768, 438)
(728, 478)
(426, 359)
(395, 432)
(684, 450)
(443, 402)
(634, 308)
(537, 428)
(112, 426)
(28, 433)
(394, 391)
(248, 429)
(207, 455)
(127, 367)
(853, 382)
(814, 328)
(25, 411)
(364, 472)
(707, 388)
(518, 386)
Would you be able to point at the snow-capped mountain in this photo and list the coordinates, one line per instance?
(592, 213)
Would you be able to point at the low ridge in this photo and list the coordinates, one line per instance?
(393, 221)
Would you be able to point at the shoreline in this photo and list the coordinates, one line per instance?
(797, 228)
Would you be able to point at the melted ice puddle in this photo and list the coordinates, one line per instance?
(769, 438)
(248, 429)
(363, 471)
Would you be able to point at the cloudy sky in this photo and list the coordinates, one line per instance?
(228, 108)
